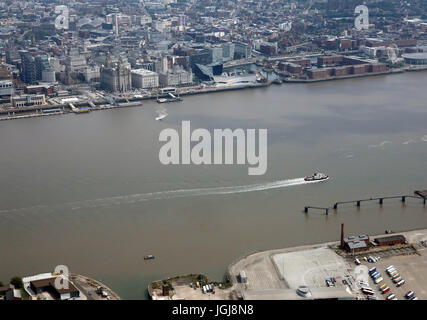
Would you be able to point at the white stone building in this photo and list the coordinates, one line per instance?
(176, 77)
(144, 79)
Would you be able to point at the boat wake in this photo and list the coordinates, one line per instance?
(164, 195)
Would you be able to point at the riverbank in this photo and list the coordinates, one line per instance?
(370, 74)
(93, 289)
(85, 107)
(277, 273)
(189, 287)
(51, 109)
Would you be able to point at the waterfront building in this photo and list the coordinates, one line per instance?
(356, 243)
(6, 88)
(390, 240)
(419, 58)
(48, 285)
(28, 100)
(175, 77)
(10, 293)
(116, 78)
(144, 79)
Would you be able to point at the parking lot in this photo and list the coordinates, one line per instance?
(311, 267)
(411, 267)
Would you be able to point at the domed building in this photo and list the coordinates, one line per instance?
(419, 58)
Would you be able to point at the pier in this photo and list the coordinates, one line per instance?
(317, 208)
(380, 200)
(358, 203)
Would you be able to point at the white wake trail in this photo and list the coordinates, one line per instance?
(164, 195)
(183, 193)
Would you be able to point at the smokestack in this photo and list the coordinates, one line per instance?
(342, 235)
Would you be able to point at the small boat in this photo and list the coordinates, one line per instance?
(149, 257)
(161, 116)
(317, 176)
(162, 100)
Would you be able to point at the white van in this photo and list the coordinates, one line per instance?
(391, 296)
(378, 280)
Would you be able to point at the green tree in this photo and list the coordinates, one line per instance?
(17, 282)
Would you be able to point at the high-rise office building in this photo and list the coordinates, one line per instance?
(28, 67)
(42, 63)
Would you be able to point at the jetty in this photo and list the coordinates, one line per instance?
(421, 195)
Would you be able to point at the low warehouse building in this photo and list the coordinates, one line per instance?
(390, 240)
(48, 285)
(356, 243)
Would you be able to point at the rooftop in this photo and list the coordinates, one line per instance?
(143, 72)
(397, 237)
(418, 55)
(50, 282)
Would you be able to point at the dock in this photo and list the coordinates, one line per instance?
(78, 110)
(421, 195)
(169, 98)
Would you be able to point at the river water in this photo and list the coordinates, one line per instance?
(88, 191)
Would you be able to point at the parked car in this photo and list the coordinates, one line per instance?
(409, 294)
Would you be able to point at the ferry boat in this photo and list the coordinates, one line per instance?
(317, 176)
(149, 257)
